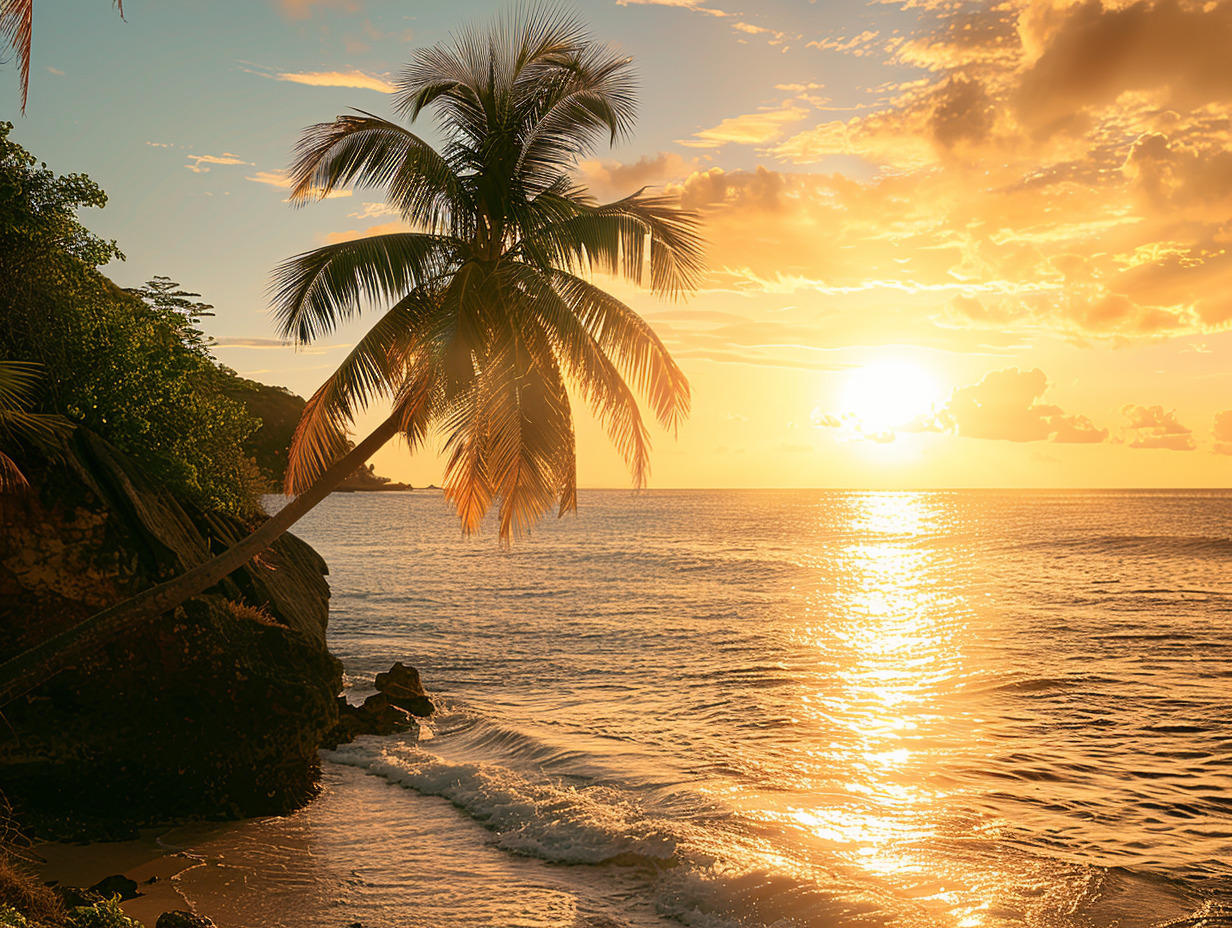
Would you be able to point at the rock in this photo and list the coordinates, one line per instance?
(181, 919)
(378, 716)
(216, 709)
(401, 684)
(116, 885)
(75, 896)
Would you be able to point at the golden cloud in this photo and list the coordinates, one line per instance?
(1223, 432)
(303, 9)
(280, 179)
(1006, 406)
(1153, 427)
(751, 128)
(200, 163)
(612, 179)
(359, 80)
(350, 235)
(693, 6)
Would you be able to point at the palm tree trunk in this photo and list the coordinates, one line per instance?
(27, 670)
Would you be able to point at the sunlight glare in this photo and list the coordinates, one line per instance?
(889, 395)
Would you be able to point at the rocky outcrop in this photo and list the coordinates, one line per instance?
(400, 696)
(215, 709)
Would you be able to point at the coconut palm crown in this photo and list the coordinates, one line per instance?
(493, 310)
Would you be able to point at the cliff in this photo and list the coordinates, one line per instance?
(214, 710)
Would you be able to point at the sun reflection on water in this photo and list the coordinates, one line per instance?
(893, 632)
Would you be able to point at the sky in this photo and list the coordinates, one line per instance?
(950, 244)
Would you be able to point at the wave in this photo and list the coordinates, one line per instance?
(549, 820)
(1193, 545)
(702, 877)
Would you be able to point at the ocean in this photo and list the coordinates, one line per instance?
(745, 709)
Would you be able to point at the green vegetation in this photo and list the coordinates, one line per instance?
(278, 410)
(132, 366)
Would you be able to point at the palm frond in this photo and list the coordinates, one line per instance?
(16, 29)
(369, 151)
(377, 367)
(629, 340)
(592, 371)
(589, 92)
(313, 292)
(18, 380)
(17, 386)
(612, 239)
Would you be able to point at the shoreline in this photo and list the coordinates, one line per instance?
(148, 860)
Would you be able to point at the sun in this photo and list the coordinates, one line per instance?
(886, 396)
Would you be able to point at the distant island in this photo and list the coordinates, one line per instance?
(365, 479)
(279, 411)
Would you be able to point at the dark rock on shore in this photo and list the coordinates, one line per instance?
(401, 684)
(213, 710)
(181, 919)
(116, 885)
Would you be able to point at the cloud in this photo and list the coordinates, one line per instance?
(694, 6)
(385, 228)
(268, 344)
(200, 163)
(303, 9)
(1005, 406)
(1152, 427)
(750, 129)
(1093, 54)
(229, 341)
(374, 211)
(359, 80)
(858, 45)
(612, 179)
(1223, 432)
(280, 179)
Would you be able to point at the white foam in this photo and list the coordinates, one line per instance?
(543, 818)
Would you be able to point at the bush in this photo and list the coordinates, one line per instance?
(132, 367)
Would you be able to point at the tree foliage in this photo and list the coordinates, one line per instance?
(131, 366)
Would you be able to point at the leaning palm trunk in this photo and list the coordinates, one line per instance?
(27, 670)
(492, 309)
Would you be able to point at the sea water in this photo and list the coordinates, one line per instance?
(770, 708)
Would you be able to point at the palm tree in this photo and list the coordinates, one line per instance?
(17, 29)
(492, 309)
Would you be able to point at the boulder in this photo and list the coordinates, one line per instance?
(75, 897)
(181, 919)
(378, 716)
(215, 709)
(116, 885)
(402, 687)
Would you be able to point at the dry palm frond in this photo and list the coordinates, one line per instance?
(16, 29)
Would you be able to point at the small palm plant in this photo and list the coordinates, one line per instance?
(17, 422)
(492, 309)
